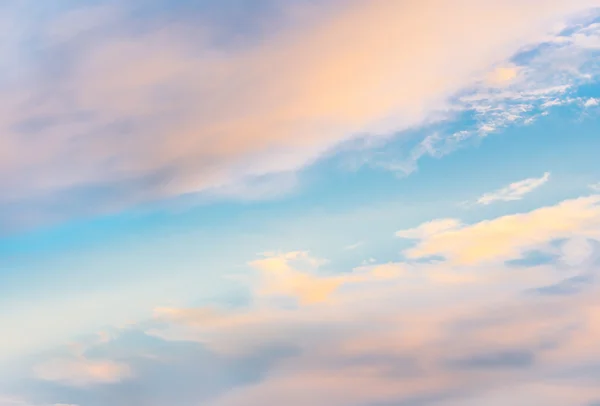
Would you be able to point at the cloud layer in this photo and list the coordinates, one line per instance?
(505, 237)
(461, 328)
(107, 105)
(162, 107)
(431, 333)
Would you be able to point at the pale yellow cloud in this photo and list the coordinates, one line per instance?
(507, 237)
(279, 277)
(514, 191)
(503, 75)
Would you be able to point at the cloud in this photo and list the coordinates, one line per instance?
(595, 187)
(400, 342)
(506, 237)
(502, 75)
(18, 401)
(410, 332)
(503, 359)
(354, 246)
(278, 278)
(514, 93)
(514, 191)
(164, 107)
(12, 401)
(81, 371)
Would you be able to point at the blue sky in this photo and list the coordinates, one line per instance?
(233, 204)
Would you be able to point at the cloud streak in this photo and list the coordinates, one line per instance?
(514, 191)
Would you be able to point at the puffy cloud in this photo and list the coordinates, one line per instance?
(145, 112)
(514, 191)
(506, 237)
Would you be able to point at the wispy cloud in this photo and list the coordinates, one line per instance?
(514, 191)
(595, 187)
(354, 246)
(197, 117)
(516, 93)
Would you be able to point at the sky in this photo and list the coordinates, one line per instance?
(324, 203)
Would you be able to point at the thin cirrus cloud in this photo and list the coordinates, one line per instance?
(156, 112)
(514, 191)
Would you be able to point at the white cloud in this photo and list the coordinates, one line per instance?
(595, 187)
(514, 191)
